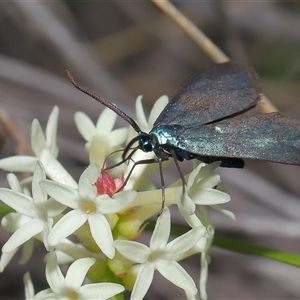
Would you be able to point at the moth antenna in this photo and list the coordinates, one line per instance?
(106, 103)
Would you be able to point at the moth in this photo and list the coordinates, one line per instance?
(214, 116)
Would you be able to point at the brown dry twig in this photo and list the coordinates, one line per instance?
(22, 145)
(202, 41)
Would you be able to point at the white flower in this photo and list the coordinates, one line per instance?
(70, 287)
(161, 256)
(34, 213)
(101, 139)
(87, 206)
(11, 222)
(201, 190)
(201, 185)
(45, 150)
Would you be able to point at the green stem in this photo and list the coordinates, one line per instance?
(252, 249)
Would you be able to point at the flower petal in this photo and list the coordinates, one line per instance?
(14, 183)
(55, 170)
(61, 193)
(46, 231)
(45, 295)
(54, 275)
(51, 131)
(192, 220)
(157, 108)
(86, 187)
(186, 205)
(66, 226)
(103, 290)
(101, 233)
(67, 251)
(194, 174)
(6, 258)
(18, 201)
(99, 148)
(106, 120)
(77, 272)
(20, 163)
(12, 221)
(38, 140)
(176, 274)
(38, 194)
(208, 196)
(132, 250)
(143, 281)
(226, 212)
(23, 234)
(140, 114)
(84, 125)
(29, 289)
(210, 181)
(161, 233)
(186, 241)
(118, 202)
(203, 275)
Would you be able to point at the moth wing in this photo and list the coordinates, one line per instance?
(223, 90)
(271, 137)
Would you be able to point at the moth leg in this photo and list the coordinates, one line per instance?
(122, 161)
(140, 162)
(150, 161)
(174, 155)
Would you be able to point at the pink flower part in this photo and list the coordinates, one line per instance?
(107, 185)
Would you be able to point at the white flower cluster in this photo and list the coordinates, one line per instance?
(51, 206)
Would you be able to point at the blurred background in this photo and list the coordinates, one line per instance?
(124, 49)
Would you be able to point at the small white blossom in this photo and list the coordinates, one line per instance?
(45, 150)
(87, 206)
(34, 214)
(202, 184)
(11, 222)
(70, 287)
(161, 256)
(101, 139)
(201, 190)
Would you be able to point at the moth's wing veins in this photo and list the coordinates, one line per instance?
(223, 90)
